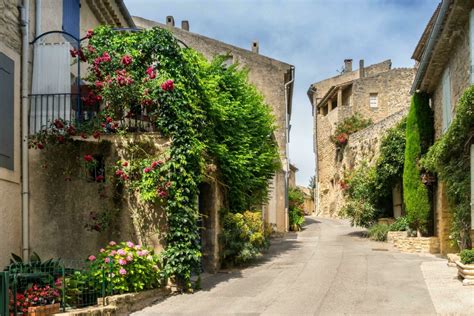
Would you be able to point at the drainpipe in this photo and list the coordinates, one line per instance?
(24, 14)
(425, 58)
(287, 134)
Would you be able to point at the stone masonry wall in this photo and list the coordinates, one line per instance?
(392, 87)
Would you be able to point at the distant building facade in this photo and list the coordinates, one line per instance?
(377, 92)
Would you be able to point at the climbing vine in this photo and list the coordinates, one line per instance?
(449, 158)
(210, 113)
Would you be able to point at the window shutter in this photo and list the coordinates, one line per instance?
(471, 43)
(71, 16)
(446, 99)
(7, 67)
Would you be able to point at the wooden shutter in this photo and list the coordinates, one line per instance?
(7, 67)
(447, 111)
(71, 16)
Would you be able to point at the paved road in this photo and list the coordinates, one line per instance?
(326, 269)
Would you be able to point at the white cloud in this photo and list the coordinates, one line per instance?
(315, 36)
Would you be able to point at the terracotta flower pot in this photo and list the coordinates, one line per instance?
(43, 310)
(466, 272)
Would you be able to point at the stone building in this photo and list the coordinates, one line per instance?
(445, 57)
(40, 229)
(376, 92)
(274, 79)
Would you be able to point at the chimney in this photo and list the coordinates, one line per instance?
(347, 65)
(361, 69)
(185, 25)
(255, 47)
(170, 20)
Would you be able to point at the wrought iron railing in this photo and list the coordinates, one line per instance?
(69, 107)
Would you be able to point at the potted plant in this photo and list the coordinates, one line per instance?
(466, 266)
(42, 300)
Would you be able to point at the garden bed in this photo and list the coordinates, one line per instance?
(413, 244)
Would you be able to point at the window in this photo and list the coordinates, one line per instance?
(446, 88)
(71, 16)
(373, 100)
(7, 67)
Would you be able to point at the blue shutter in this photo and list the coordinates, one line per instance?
(71, 16)
(447, 110)
(7, 67)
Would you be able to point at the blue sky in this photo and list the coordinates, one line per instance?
(314, 35)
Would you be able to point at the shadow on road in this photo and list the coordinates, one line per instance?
(278, 247)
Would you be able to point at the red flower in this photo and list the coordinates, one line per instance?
(155, 164)
(126, 60)
(73, 52)
(146, 170)
(71, 130)
(60, 139)
(58, 124)
(84, 135)
(99, 84)
(168, 85)
(99, 178)
(162, 192)
(106, 57)
(342, 138)
(91, 49)
(89, 33)
(151, 72)
(125, 163)
(88, 158)
(147, 102)
(109, 119)
(119, 172)
(40, 146)
(96, 134)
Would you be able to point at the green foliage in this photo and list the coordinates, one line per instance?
(296, 208)
(378, 232)
(467, 256)
(449, 158)
(401, 224)
(349, 126)
(129, 267)
(211, 114)
(244, 236)
(361, 213)
(419, 133)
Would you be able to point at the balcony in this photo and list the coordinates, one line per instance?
(70, 108)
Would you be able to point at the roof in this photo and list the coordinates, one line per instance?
(333, 90)
(293, 167)
(111, 12)
(424, 37)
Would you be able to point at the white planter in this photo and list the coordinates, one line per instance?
(466, 272)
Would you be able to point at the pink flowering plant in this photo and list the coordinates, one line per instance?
(129, 267)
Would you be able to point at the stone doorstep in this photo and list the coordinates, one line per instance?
(122, 304)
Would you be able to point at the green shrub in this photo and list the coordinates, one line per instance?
(449, 157)
(467, 256)
(244, 236)
(379, 232)
(348, 126)
(296, 209)
(401, 224)
(419, 133)
(360, 213)
(131, 267)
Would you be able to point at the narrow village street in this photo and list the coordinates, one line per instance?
(326, 269)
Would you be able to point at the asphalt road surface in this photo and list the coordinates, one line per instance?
(327, 269)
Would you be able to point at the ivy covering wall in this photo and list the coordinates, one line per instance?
(449, 158)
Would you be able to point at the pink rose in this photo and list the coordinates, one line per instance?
(122, 262)
(113, 253)
(89, 33)
(102, 250)
(122, 271)
(107, 260)
(130, 244)
(168, 85)
(126, 60)
(146, 170)
(151, 72)
(112, 243)
(129, 258)
(91, 258)
(121, 252)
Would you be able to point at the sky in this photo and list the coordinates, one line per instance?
(313, 35)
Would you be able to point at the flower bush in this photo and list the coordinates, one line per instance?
(349, 126)
(36, 295)
(129, 267)
(244, 237)
(295, 211)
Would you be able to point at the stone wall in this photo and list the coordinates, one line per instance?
(269, 76)
(392, 87)
(413, 244)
